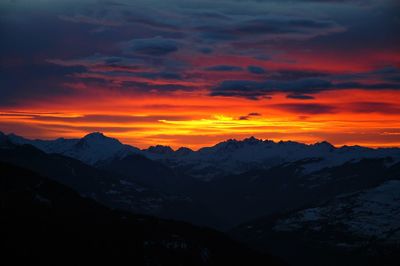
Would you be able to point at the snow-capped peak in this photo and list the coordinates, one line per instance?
(252, 140)
(230, 156)
(92, 148)
(98, 139)
(183, 151)
(160, 149)
(236, 156)
(324, 146)
(96, 136)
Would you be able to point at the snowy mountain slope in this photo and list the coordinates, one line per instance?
(263, 192)
(373, 213)
(90, 149)
(110, 189)
(234, 157)
(107, 187)
(359, 228)
(225, 158)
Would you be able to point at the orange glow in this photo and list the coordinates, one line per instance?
(196, 119)
(194, 74)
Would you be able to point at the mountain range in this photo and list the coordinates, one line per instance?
(227, 157)
(290, 199)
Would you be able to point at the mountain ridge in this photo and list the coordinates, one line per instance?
(230, 184)
(224, 158)
(249, 140)
(44, 219)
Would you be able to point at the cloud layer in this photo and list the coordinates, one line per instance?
(201, 70)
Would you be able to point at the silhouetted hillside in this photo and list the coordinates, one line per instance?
(44, 219)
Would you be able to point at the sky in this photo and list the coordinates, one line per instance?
(195, 72)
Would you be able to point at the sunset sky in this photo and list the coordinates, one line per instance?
(195, 72)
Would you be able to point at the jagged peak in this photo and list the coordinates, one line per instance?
(234, 142)
(324, 144)
(184, 149)
(161, 149)
(252, 140)
(95, 135)
(99, 136)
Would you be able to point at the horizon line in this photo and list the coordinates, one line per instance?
(206, 146)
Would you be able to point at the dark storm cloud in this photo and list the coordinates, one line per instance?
(296, 74)
(253, 89)
(389, 74)
(358, 85)
(111, 3)
(268, 27)
(35, 81)
(152, 21)
(249, 116)
(320, 1)
(255, 114)
(90, 20)
(309, 109)
(376, 27)
(256, 70)
(210, 14)
(122, 40)
(205, 50)
(157, 46)
(354, 107)
(223, 68)
(300, 96)
(149, 87)
(160, 75)
(46, 36)
(375, 107)
(295, 89)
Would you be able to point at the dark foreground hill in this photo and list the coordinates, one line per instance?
(357, 228)
(41, 218)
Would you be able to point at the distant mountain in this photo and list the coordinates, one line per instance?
(230, 183)
(311, 204)
(90, 149)
(235, 157)
(148, 172)
(110, 188)
(159, 150)
(260, 192)
(45, 220)
(158, 177)
(225, 158)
